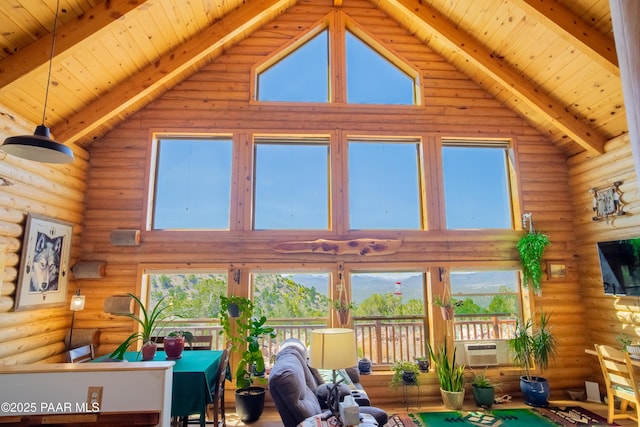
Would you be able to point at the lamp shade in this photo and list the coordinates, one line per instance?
(77, 303)
(38, 147)
(333, 348)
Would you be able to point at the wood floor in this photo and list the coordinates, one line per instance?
(270, 417)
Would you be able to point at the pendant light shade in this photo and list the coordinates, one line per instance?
(39, 146)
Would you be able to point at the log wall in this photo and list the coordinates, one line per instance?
(608, 316)
(217, 100)
(55, 191)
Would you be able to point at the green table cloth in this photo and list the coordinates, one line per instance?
(194, 378)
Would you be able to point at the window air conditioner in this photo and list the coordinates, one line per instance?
(481, 354)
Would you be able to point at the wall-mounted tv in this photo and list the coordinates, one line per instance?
(620, 266)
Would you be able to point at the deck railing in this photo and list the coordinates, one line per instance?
(384, 340)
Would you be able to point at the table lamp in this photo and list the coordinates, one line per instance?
(77, 304)
(333, 348)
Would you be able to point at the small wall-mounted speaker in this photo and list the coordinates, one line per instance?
(125, 238)
(89, 269)
(118, 304)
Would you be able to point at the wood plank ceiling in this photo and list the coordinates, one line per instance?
(553, 62)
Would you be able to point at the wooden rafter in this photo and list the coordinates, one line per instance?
(499, 70)
(572, 29)
(232, 28)
(37, 53)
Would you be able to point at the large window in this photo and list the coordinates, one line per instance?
(476, 185)
(192, 184)
(490, 303)
(291, 184)
(384, 185)
(389, 314)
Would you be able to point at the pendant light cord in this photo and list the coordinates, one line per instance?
(53, 46)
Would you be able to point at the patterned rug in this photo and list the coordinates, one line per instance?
(571, 416)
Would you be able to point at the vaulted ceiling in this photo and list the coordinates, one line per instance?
(553, 62)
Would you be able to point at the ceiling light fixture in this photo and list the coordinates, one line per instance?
(39, 146)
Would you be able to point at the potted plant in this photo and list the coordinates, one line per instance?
(447, 305)
(174, 343)
(404, 373)
(149, 322)
(533, 347)
(450, 376)
(247, 342)
(484, 391)
(342, 306)
(423, 363)
(531, 247)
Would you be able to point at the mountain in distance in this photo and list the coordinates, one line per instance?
(410, 287)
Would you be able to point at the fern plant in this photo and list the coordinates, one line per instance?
(531, 247)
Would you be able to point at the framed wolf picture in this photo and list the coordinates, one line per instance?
(44, 264)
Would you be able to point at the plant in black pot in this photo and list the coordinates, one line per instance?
(404, 373)
(533, 347)
(247, 341)
(423, 363)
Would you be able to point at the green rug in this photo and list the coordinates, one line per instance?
(491, 418)
(568, 416)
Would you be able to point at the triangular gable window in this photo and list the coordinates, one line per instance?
(301, 76)
(372, 79)
(304, 71)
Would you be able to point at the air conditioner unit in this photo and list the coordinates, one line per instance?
(481, 354)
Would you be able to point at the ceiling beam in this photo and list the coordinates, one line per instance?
(37, 54)
(574, 30)
(231, 29)
(499, 70)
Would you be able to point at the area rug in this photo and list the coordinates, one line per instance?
(573, 416)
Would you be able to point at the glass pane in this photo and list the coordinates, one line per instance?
(489, 303)
(372, 79)
(291, 186)
(292, 296)
(384, 189)
(476, 187)
(389, 315)
(194, 299)
(193, 184)
(302, 76)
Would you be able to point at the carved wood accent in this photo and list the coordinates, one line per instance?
(364, 247)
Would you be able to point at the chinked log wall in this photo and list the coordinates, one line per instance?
(607, 315)
(216, 100)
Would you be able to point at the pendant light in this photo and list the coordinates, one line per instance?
(39, 146)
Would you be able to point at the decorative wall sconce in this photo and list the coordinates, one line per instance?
(607, 201)
(77, 304)
(125, 237)
(89, 269)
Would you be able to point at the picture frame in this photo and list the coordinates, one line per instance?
(607, 202)
(44, 263)
(556, 270)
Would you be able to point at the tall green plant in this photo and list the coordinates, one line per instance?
(246, 340)
(450, 374)
(149, 322)
(533, 346)
(531, 247)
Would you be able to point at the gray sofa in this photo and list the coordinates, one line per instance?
(297, 392)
